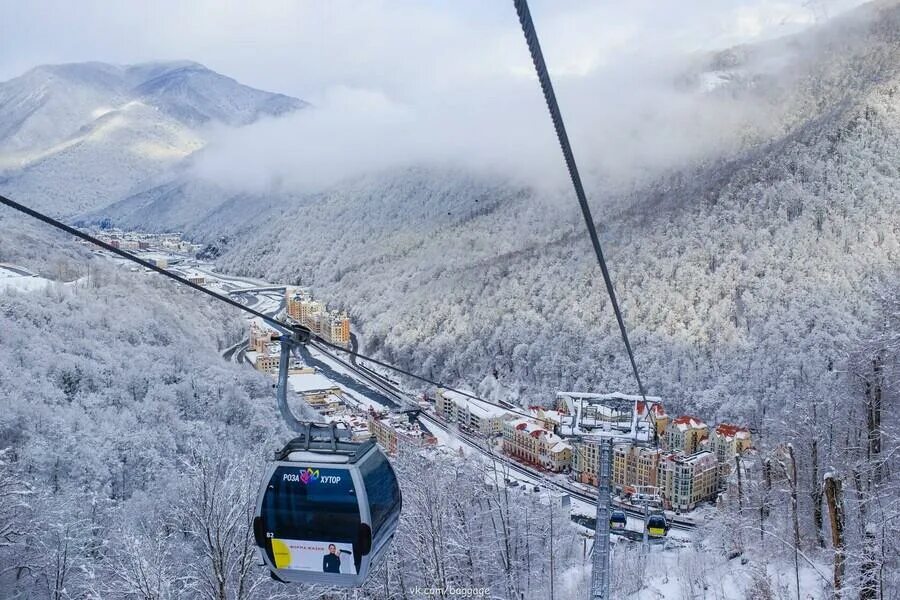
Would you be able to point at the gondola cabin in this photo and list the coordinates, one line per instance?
(657, 525)
(327, 509)
(617, 520)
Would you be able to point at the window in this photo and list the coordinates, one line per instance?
(382, 489)
(314, 510)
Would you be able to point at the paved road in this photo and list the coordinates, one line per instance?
(238, 352)
(229, 352)
(537, 477)
(17, 270)
(232, 278)
(346, 380)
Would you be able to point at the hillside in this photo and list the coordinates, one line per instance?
(757, 275)
(719, 266)
(76, 137)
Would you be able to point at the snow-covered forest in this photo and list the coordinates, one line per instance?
(758, 278)
(132, 454)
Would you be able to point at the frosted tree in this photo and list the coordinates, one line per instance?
(217, 510)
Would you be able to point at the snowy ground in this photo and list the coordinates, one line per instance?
(20, 279)
(693, 573)
(680, 567)
(673, 569)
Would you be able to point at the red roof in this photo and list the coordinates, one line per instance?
(729, 430)
(657, 408)
(521, 426)
(686, 420)
(537, 433)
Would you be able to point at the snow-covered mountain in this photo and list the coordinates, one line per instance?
(80, 136)
(713, 262)
(759, 286)
(718, 266)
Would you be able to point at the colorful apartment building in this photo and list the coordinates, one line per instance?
(337, 329)
(331, 325)
(300, 305)
(530, 441)
(685, 433)
(659, 417)
(393, 432)
(634, 466)
(585, 460)
(267, 362)
(684, 481)
(474, 415)
(727, 442)
(730, 440)
(260, 336)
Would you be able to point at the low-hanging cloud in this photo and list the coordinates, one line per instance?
(626, 122)
(411, 82)
(630, 92)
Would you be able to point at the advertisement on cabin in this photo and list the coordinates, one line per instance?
(305, 555)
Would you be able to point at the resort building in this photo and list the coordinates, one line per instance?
(528, 440)
(473, 415)
(393, 432)
(730, 440)
(634, 466)
(685, 434)
(315, 389)
(260, 336)
(685, 481)
(659, 417)
(331, 325)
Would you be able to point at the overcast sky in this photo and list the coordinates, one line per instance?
(427, 74)
(399, 47)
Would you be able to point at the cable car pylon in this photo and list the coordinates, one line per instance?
(600, 567)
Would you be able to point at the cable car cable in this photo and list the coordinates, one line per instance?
(144, 263)
(303, 332)
(421, 378)
(534, 46)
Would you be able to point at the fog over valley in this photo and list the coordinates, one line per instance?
(387, 176)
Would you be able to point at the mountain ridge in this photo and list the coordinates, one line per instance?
(115, 128)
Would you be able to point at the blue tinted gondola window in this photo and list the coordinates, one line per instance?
(300, 506)
(382, 489)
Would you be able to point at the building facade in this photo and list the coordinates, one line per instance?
(474, 415)
(394, 432)
(685, 433)
(585, 461)
(686, 481)
(260, 337)
(634, 466)
(659, 418)
(331, 325)
(730, 440)
(528, 440)
(337, 329)
(267, 362)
